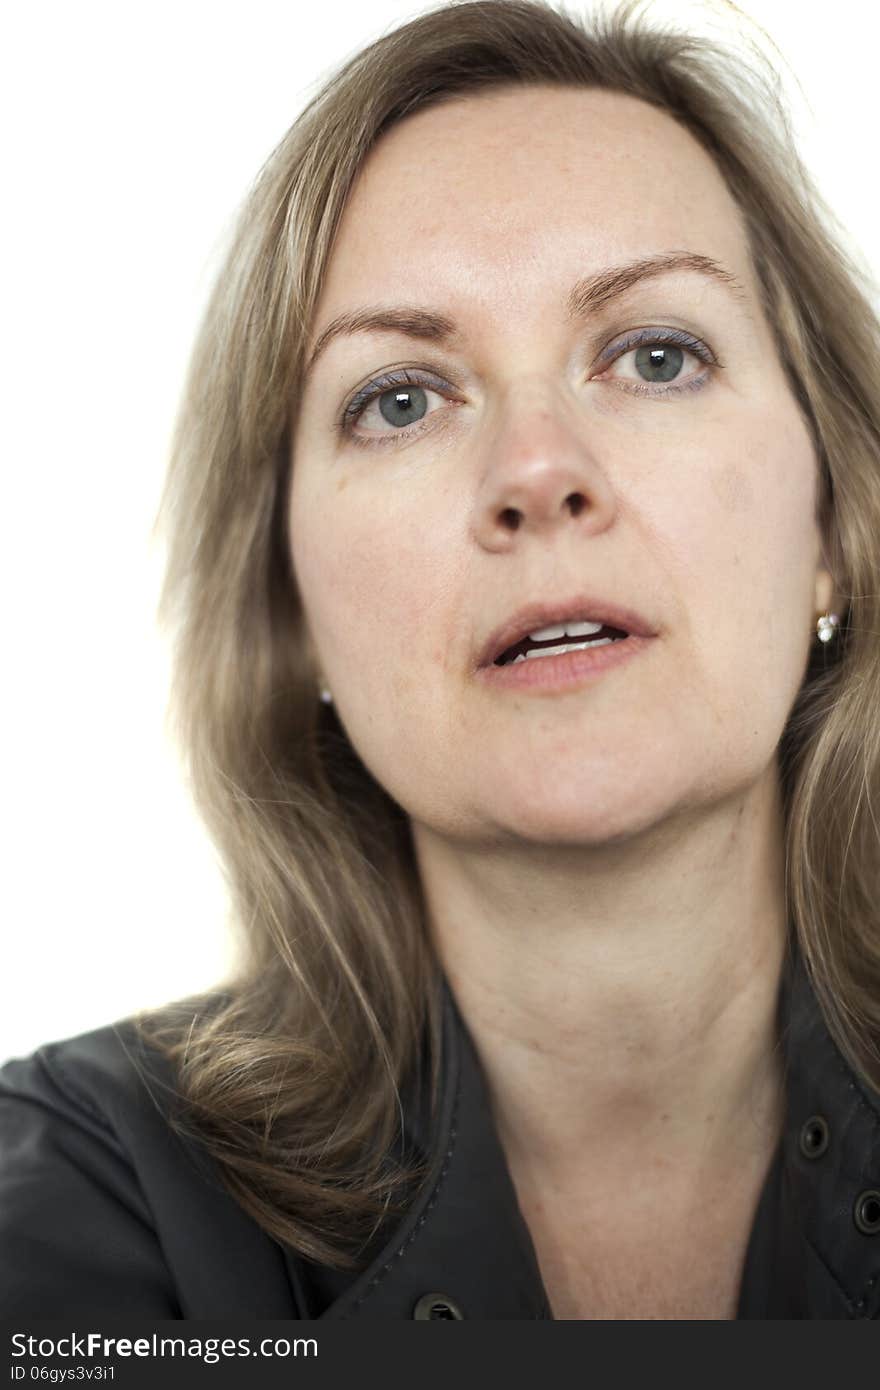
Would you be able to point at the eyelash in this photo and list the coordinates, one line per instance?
(408, 376)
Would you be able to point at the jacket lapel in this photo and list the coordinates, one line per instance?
(464, 1238)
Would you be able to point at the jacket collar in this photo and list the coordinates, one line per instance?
(464, 1249)
(464, 1238)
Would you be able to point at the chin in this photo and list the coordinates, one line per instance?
(591, 817)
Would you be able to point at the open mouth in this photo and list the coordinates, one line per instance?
(530, 649)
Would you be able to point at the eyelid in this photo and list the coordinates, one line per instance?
(363, 398)
(640, 337)
(364, 395)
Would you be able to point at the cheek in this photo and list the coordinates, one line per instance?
(740, 544)
(732, 487)
(370, 578)
(378, 586)
(742, 525)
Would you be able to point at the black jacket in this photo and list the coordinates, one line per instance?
(104, 1210)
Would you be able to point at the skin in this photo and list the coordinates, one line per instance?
(602, 866)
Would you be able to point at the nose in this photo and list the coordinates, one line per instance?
(541, 473)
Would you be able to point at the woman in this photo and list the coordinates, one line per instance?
(524, 529)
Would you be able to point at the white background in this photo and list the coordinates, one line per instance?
(131, 134)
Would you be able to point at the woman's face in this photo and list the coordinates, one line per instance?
(531, 454)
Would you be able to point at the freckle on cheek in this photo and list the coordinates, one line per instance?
(733, 490)
(342, 483)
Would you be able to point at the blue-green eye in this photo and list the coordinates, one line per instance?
(648, 362)
(658, 358)
(403, 407)
(659, 361)
(400, 398)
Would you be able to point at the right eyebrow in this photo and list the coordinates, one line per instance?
(586, 297)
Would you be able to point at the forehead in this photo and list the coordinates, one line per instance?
(503, 194)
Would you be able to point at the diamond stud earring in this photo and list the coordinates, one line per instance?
(326, 696)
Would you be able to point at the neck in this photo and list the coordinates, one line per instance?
(622, 999)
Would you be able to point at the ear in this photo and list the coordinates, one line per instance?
(824, 592)
(827, 598)
(311, 661)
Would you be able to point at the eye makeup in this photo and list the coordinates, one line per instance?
(617, 349)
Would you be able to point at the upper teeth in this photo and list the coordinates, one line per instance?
(583, 629)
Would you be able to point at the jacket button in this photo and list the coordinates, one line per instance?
(866, 1213)
(814, 1137)
(437, 1305)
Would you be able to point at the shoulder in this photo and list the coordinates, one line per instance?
(75, 1223)
(93, 1079)
(103, 1208)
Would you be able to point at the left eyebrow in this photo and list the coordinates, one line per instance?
(595, 291)
(592, 293)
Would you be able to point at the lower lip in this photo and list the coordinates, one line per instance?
(547, 673)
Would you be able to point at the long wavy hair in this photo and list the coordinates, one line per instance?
(290, 1076)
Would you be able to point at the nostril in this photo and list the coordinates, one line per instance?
(576, 503)
(511, 517)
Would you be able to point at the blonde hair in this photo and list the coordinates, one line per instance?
(291, 1077)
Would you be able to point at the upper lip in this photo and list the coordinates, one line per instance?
(533, 616)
